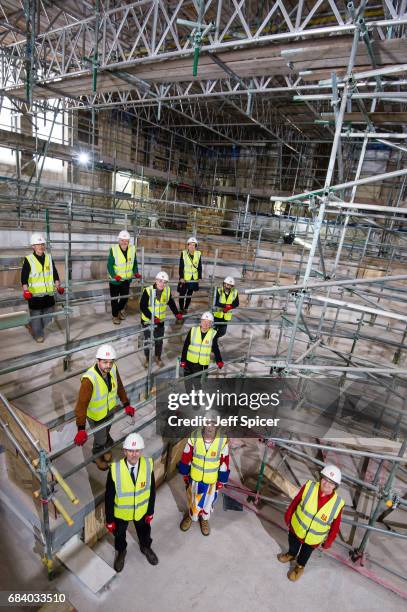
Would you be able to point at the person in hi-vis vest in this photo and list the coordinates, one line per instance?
(205, 467)
(163, 298)
(313, 519)
(122, 267)
(196, 353)
(101, 386)
(39, 280)
(130, 496)
(226, 299)
(190, 272)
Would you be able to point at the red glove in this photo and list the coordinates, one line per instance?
(137, 275)
(111, 527)
(80, 437)
(326, 545)
(61, 290)
(219, 485)
(157, 320)
(220, 364)
(27, 295)
(118, 277)
(227, 308)
(183, 364)
(179, 316)
(148, 518)
(130, 410)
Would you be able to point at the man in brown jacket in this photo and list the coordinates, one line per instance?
(100, 386)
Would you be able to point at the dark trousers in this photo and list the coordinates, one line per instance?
(186, 288)
(294, 549)
(143, 531)
(39, 324)
(102, 439)
(193, 383)
(122, 288)
(220, 329)
(158, 333)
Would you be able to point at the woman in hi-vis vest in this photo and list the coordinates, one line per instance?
(190, 272)
(313, 519)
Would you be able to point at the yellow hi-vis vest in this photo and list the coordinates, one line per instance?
(205, 463)
(102, 400)
(123, 266)
(160, 306)
(310, 524)
(131, 501)
(40, 279)
(191, 266)
(225, 299)
(199, 350)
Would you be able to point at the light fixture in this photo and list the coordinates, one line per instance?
(83, 158)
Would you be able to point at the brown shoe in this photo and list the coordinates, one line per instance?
(116, 320)
(108, 457)
(205, 529)
(122, 315)
(40, 339)
(101, 463)
(285, 557)
(186, 523)
(296, 573)
(159, 362)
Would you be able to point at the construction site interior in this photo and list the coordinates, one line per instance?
(275, 133)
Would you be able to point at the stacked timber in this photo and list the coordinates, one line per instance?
(205, 220)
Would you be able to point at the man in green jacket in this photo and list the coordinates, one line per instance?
(122, 267)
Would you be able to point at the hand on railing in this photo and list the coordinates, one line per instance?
(80, 437)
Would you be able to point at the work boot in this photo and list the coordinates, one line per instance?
(108, 457)
(101, 463)
(285, 557)
(205, 529)
(145, 363)
(122, 315)
(40, 339)
(295, 573)
(119, 560)
(116, 320)
(159, 362)
(150, 554)
(186, 523)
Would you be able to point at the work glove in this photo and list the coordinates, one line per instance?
(220, 364)
(326, 546)
(227, 308)
(80, 437)
(130, 410)
(157, 320)
(148, 518)
(219, 485)
(27, 295)
(118, 277)
(61, 290)
(111, 527)
(137, 275)
(183, 364)
(179, 316)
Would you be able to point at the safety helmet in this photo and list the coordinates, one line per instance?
(124, 235)
(229, 280)
(133, 442)
(106, 351)
(37, 239)
(163, 276)
(207, 316)
(192, 240)
(332, 472)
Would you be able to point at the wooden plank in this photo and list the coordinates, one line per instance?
(282, 483)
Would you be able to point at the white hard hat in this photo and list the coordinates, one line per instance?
(37, 239)
(207, 316)
(133, 442)
(106, 351)
(124, 235)
(332, 472)
(191, 240)
(162, 276)
(229, 280)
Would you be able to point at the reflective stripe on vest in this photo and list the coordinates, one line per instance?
(205, 463)
(123, 266)
(225, 299)
(199, 350)
(40, 279)
(160, 306)
(191, 267)
(102, 400)
(131, 500)
(309, 523)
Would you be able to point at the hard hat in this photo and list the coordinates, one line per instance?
(37, 239)
(229, 280)
(332, 472)
(207, 316)
(133, 442)
(106, 351)
(124, 235)
(162, 276)
(192, 240)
